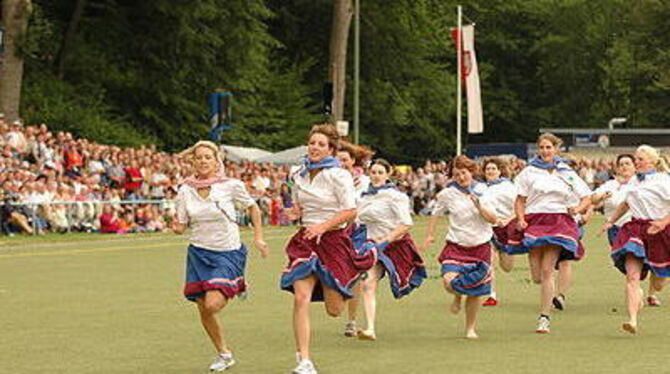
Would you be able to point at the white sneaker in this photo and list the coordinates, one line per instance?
(350, 329)
(222, 362)
(305, 366)
(542, 325)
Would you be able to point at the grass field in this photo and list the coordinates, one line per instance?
(102, 304)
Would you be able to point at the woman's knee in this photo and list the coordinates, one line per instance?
(446, 282)
(334, 309)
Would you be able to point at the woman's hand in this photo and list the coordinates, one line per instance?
(262, 246)
(606, 226)
(427, 243)
(293, 213)
(314, 231)
(521, 224)
(657, 226)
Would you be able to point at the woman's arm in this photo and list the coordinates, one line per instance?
(659, 225)
(395, 234)
(430, 239)
(339, 218)
(618, 213)
(257, 222)
(583, 205)
(489, 216)
(520, 211)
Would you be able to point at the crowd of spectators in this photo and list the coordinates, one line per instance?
(73, 184)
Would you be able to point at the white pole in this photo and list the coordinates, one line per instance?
(458, 81)
(357, 71)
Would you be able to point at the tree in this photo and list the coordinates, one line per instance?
(337, 61)
(15, 14)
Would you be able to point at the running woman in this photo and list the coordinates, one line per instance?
(216, 257)
(353, 158)
(466, 256)
(322, 262)
(642, 243)
(384, 211)
(501, 193)
(545, 227)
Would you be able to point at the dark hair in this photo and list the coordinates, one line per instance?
(357, 152)
(465, 162)
(329, 131)
(380, 161)
(624, 155)
(502, 165)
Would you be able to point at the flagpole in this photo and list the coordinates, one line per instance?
(459, 63)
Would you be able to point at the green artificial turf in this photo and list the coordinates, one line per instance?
(111, 304)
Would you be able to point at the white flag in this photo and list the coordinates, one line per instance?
(471, 73)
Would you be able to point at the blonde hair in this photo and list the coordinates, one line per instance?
(189, 153)
(655, 156)
(555, 140)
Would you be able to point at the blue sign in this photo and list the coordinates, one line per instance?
(220, 114)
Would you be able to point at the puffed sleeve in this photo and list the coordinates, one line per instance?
(581, 188)
(241, 195)
(400, 206)
(343, 184)
(441, 203)
(180, 203)
(522, 182)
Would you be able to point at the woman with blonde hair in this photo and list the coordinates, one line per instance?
(216, 257)
(642, 244)
(545, 228)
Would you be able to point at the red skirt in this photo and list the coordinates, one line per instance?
(332, 259)
(402, 261)
(652, 250)
(473, 265)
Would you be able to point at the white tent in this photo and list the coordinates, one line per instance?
(237, 154)
(287, 156)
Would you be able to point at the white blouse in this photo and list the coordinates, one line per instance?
(328, 193)
(619, 192)
(466, 226)
(501, 197)
(650, 199)
(549, 192)
(383, 212)
(213, 219)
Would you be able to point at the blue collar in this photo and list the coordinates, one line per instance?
(539, 163)
(372, 190)
(642, 176)
(326, 163)
(497, 181)
(468, 191)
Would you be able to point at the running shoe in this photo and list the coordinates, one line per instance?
(559, 302)
(491, 301)
(542, 325)
(653, 300)
(305, 366)
(350, 329)
(222, 362)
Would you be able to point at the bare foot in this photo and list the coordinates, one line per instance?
(629, 327)
(471, 335)
(455, 306)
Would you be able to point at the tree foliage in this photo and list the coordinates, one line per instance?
(138, 72)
